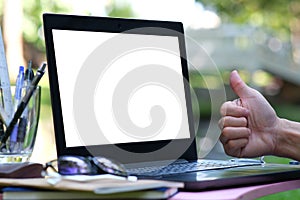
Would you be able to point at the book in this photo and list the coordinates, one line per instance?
(16, 193)
(100, 184)
(21, 170)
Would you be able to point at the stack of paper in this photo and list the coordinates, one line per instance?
(99, 187)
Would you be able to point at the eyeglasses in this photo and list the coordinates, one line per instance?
(79, 165)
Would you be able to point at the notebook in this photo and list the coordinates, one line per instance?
(120, 89)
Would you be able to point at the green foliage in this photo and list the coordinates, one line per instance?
(34, 9)
(119, 9)
(288, 111)
(32, 22)
(278, 15)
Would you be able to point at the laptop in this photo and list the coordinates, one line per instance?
(120, 89)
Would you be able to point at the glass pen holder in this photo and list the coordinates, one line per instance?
(19, 145)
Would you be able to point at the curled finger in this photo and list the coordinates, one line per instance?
(229, 121)
(235, 147)
(233, 133)
(230, 108)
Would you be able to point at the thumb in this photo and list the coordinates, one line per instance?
(239, 86)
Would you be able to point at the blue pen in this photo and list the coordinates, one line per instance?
(17, 99)
(29, 74)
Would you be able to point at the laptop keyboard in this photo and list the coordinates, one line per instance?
(185, 167)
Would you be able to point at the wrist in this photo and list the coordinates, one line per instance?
(287, 139)
(279, 138)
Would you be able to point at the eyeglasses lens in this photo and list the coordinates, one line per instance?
(110, 166)
(73, 165)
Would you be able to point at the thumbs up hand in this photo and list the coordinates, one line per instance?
(248, 124)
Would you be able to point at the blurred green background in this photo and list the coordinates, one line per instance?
(259, 38)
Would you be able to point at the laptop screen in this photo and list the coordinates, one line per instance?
(122, 85)
(73, 48)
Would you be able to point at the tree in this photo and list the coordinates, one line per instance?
(274, 15)
(22, 29)
(282, 17)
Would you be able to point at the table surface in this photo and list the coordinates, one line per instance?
(250, 192)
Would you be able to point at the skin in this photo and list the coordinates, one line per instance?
(250, 127)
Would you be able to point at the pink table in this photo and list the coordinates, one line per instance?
(251, 192)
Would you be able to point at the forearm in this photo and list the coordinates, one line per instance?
(288, 139)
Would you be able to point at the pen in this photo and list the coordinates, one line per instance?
(1, 128)
(28, 74)
(23, 104)
(19, 85)
(24, 118)
(18, 95)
